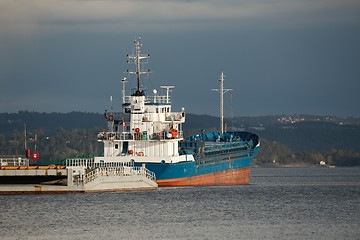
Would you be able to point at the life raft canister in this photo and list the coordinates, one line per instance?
(174, 132)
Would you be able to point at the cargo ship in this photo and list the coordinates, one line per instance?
(148, 132)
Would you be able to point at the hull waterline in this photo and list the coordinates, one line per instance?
(230, 177)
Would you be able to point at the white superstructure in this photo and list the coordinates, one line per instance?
(147, 130)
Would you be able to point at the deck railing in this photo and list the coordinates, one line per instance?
(80, 162)
(163, 99)
(127, 136)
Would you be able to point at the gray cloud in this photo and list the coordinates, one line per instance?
(124, 15)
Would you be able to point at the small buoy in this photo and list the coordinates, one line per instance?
(131, 152)
(137, 130)
(140, 153)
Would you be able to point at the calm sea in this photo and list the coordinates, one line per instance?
(280, 203)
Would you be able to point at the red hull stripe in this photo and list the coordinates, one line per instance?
(230, 177)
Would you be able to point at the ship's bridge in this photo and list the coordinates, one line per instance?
(151, 117)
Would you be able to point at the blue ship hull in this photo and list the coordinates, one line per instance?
(222, 172)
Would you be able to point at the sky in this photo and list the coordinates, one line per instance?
(278, 56)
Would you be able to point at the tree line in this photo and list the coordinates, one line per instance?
(53, 148)
(274, 153)
(56, 147)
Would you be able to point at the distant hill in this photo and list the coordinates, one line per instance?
(298, 132)
(313, 136)
(48, 122)
(306, 132)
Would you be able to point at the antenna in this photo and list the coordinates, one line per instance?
(222, 91)
(123, 81)
(25, 144)
(35, 139)
(111, 103)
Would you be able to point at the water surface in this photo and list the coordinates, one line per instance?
(280, 203)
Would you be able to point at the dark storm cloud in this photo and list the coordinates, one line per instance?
(279, 56)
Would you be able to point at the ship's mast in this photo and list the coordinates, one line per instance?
(222, 91)
(136, 59)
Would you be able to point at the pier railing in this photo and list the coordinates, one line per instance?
(117, 171)
(14, 161)
(89, 170)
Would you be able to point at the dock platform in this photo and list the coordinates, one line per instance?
(74, 178)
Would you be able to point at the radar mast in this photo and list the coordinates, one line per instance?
(136, 59)
(222, 91)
